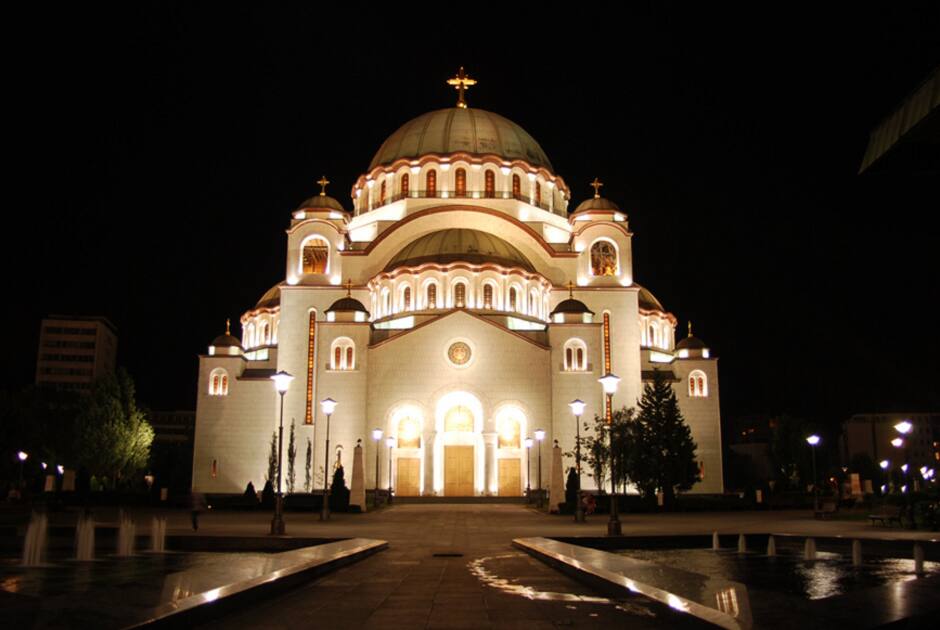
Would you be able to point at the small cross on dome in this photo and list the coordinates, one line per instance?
(461, 82)
(597, 187)
(348, 287)
(323, 181)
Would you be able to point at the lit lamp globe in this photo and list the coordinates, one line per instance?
(897, 442)
(609, 382)
(376, 434)
(539, 434)
(529, 442)
(328, 405)
(813, 440)
(577, 407)
(390, 440)
(282, 381)
(904, 427)
(22, 456)
(884, 464)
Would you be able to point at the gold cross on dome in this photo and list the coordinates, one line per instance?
(348, 287)
(690, 328)
(597, 187)
(323, 181)
(228, 327)
(570, 289)
(461, 82)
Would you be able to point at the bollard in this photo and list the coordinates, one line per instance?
(715, 544)
(809, 550)
(918, 559)
(771, 546)
(856, 553)
(742, 544)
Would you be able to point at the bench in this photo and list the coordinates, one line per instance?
(828, 508)
(887, 515)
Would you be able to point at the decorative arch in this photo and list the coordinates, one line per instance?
(460, 182)
(489, 183)
(343, 354)
(490, 293)
(575, 355)
(698, 384)
(432, 294)
(218, 382)
(405, 181)
(430, 183)
(459, 399)
(460, 288)
(314, 255)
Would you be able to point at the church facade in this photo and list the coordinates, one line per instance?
(458, 306)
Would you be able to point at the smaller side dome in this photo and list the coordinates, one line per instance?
(597, 203)
(692, 347)
(573, 306)
(347, 305)
(226, 344)
(647, 301)
(322, 201)
(691, 343)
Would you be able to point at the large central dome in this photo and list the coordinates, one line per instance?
(459, 245)
(457, 129)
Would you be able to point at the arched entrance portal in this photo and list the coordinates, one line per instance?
(458, 454)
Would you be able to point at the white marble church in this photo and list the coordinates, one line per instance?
(458, 305)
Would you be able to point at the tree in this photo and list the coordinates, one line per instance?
(272, 460)
(790, 453)
(113, 436)
(662, 452)
(595, 446)
(308, 472)
(291, 456)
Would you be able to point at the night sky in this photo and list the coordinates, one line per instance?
(157, 154)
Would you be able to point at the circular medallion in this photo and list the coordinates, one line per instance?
(458, 353)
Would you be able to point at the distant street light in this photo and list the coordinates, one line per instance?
(897, 442)
(528, 469)
(884, 464)
(540, 435)
(814, 440)
(577, 408)
(377, 436)
(22, 456)
(328, 405)
(281, 383)
(609, 382)
(390, 440)
(904, 427)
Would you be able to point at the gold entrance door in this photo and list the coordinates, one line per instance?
(458, 471)
(510, 481)
(409, 477)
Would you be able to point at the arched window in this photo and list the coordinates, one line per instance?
(404, 185)
(698, 384)
(533, 303)
(603, 259)
(487, 295)
(218, 382)
(315, 255)
(512, 298)
(406, 299)
(430, 183)
(265, 334)
(460, 182)
(382, 193)
(575, 356)
(489, 184)
(386, 302)
(538, 194)
(516, 186)
(508, 429)
(460, 295)
(432, 295)
(344, 354)
(652, 335)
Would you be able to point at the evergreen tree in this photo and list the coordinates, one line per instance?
(662, 452)
(112, 434)
(308, 472)
(272, 460)
(291, 456)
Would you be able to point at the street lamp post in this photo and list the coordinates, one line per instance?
(577, 407)
(609, 382)
(329, 406)
(390, 440)
(376, 435)
(22, 456)
(813, 440)
(904, 428)
(281, 382)
(528, 469)
(540, 435)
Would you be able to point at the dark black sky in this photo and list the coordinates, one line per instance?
(157, 152)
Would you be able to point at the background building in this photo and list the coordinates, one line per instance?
(75, 350)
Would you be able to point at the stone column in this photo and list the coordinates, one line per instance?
(491, 483)
(429, 440)
(357, 494)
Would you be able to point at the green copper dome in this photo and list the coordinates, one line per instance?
(459, 245)
(470, 130)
